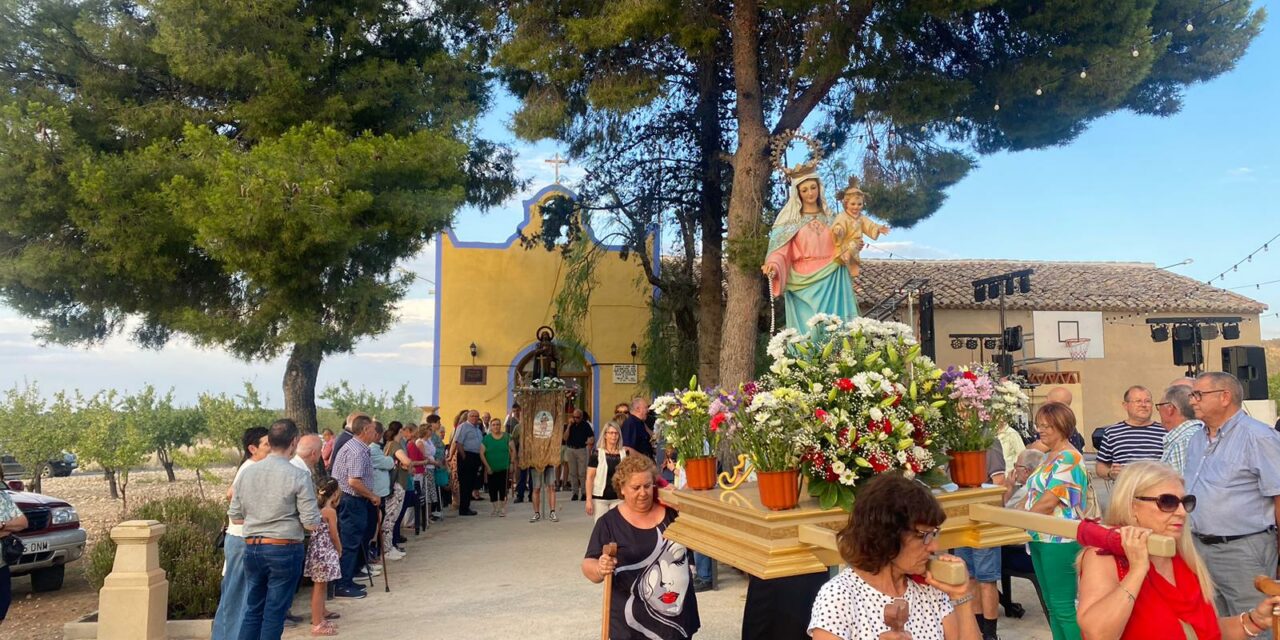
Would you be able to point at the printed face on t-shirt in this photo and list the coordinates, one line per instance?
(665, 583)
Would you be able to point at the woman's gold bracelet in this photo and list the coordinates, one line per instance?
(1132, 598)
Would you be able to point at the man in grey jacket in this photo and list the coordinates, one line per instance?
(276, 503)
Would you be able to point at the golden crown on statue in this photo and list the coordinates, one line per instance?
(806, 169)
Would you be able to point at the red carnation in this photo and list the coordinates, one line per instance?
(878, 464)
(886, 426)
(969, 375)
(820, 414)
(897, 400)
(845, 385)
(717, 420)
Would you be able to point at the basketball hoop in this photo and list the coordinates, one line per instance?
(1077, 347)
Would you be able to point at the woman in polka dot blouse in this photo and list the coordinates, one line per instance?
(881, 595)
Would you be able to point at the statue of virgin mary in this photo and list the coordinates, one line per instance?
(802, 264)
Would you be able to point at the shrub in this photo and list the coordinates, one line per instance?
(191, 563)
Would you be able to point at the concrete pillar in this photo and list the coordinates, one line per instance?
(134, 600)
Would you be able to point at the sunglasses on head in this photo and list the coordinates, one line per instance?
(1168, 503)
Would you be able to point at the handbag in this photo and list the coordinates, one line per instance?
(11, 548)
(442, 477)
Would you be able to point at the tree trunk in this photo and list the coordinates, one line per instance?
(168, 470)
(111, 483)
(711, 276)
(37, 474)
(746, 200)
(300, 386)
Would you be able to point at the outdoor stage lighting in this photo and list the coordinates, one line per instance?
(1024, 283)
(1231, 331)
(971, 344)
(1008, 287)
(979, 293)
(1159, 333)
(1208, 332)
(993, 290)
(1183, 332)
(957, 343)
(988, 343)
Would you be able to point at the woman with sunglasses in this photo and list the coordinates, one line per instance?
(892, 532)
(1058, 487)
(1141, 596)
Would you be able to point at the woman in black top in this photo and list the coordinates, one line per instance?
(652, 597)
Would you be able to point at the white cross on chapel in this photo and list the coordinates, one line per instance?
(556, 161)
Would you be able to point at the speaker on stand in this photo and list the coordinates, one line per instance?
(928, 345)
(1249, 365)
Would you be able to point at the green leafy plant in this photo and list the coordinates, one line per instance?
(192, 565)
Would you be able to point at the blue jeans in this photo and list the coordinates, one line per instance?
(703, 565)
(524, 484)
(353, 518)
(226, 622)
(983, 564)
(272, 572)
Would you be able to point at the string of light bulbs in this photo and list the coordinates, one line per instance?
(1135, 51)
(1256, 285)
(1249, 258)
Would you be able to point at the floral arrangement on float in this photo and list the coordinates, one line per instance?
(981, 403)
(548, 382)
(858, 398)
(695, 422)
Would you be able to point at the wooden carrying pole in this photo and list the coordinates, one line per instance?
(610, 550)
(1157, 545)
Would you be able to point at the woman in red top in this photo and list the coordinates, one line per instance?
(1142, 596)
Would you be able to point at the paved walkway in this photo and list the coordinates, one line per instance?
(483, 577)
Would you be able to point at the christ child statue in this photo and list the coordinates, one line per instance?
(851, 226)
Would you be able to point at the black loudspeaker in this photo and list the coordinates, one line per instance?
(1187, 352)
(1249, 365)
(1005, 362)
(928, 346)
(1013, 338)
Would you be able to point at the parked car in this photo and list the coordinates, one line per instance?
(63, 465)
(53, 538)
(11, 468)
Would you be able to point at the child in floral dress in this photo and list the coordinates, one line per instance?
(322, 558)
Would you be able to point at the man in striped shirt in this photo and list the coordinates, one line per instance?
(1136, 438)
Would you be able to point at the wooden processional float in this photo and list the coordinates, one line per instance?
(734, 528)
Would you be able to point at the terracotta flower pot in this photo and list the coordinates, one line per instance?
(779, 490)
(969, 468)
(700, 472)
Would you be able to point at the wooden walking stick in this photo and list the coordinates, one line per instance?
(610, 550)
(1269, 588)
(386, 580)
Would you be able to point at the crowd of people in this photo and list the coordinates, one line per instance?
(331, 508)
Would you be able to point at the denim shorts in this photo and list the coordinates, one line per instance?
(545, 477)
(983, 564)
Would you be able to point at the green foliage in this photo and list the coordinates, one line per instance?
(34, 430)
(669, 359)
(192, 565)
(343, 399)
(113, 437)
(247, 174)
(1273, 384)
(227, 417)
(167, 427)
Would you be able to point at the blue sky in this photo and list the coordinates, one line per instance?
(1203, 184)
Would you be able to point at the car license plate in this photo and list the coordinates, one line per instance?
(35, 546)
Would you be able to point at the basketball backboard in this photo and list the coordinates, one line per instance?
(1054, 328)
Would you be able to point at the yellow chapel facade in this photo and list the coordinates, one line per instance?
(493, 297)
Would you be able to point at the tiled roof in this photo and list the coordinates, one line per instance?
(1055, 286)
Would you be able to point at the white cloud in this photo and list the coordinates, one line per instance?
(380, 356)
(905, 249)
(421, 344)
(419, 311)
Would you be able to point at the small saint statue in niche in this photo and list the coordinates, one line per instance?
(546, 361)
(851, 226)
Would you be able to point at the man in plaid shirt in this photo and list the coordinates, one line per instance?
(353, 469)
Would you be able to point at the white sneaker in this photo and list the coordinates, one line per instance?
(395, 554)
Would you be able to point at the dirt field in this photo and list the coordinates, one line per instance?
(40, 616)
